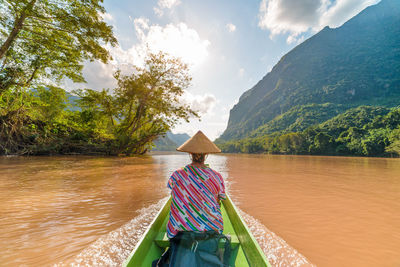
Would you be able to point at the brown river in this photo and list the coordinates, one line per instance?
(303, 210)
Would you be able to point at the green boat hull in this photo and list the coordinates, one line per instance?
(245, 249)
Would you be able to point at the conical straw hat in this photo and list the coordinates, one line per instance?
(200, 144)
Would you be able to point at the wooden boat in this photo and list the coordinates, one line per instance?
(245, 249)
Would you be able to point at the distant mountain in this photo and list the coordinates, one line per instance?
(178, 139)
(73, 101)
(170, 141)
(353, 65)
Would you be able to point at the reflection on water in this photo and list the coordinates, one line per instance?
(92, 211)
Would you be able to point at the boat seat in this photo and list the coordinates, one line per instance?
(163, 241)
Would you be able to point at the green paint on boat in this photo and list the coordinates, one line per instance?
(245, 249)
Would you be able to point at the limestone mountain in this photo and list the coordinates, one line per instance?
(352, 65)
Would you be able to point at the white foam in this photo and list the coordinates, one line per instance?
(113, 248)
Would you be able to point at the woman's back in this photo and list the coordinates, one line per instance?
(196, 192)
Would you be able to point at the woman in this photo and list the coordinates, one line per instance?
(195, 223)
(196, 191)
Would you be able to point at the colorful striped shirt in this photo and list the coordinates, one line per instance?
(195, 195)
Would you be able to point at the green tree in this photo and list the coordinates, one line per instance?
(298, 143)
(375, 142)
(285, 144)
(252, 145)
(42, 40)
(144, 105)
(41, 43)
(48, 103)
(392, 120)
(352, 140)
(394, 146)
(323, 144)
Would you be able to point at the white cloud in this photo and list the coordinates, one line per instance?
(203, 104)
(100, 75)
(343, 10)
(211, 125)
(230, 27)
(241, 72)
(159, 12)
(168, 3)
(97, 76)
(177, 40)
(297, 17)
(165, 4)
(107, 16)
(294, 39)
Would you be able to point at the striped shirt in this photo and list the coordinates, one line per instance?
(195, 194)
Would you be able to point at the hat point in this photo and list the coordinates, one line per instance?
(200, 144)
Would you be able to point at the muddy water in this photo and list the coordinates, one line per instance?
(337, 211)
(91, 211)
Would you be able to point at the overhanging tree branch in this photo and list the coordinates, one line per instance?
(18, 24)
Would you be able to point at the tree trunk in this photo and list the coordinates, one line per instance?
(18, 24)
(28, 82)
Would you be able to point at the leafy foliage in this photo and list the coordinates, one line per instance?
(126, 121)
(394, 142)
(41, 43)
(363, 131)
(44, 41)
(142, 107)
(299, 118)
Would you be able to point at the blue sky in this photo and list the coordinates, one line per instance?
(229, 45)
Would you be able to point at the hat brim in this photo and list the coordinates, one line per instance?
(199, 144)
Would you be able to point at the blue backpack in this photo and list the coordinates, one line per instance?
(196, 249)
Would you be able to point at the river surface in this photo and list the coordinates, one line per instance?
(303, 210)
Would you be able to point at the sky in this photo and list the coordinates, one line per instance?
(229, 44)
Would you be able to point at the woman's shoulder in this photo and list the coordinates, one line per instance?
(188, 169)
(180, 171)
(214, 172)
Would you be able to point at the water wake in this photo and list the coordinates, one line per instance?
(113, 248)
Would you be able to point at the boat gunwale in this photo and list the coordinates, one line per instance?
(238, 225)
(263, 259)
(145, 234)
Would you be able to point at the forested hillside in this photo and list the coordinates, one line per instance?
(355, 64)
(362, 131)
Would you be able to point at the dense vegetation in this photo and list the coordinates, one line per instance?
(43, 42)
(355, 64)
(299, 118)
(125, 121)
(363, 131)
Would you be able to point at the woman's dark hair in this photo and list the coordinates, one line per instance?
(198, 158)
